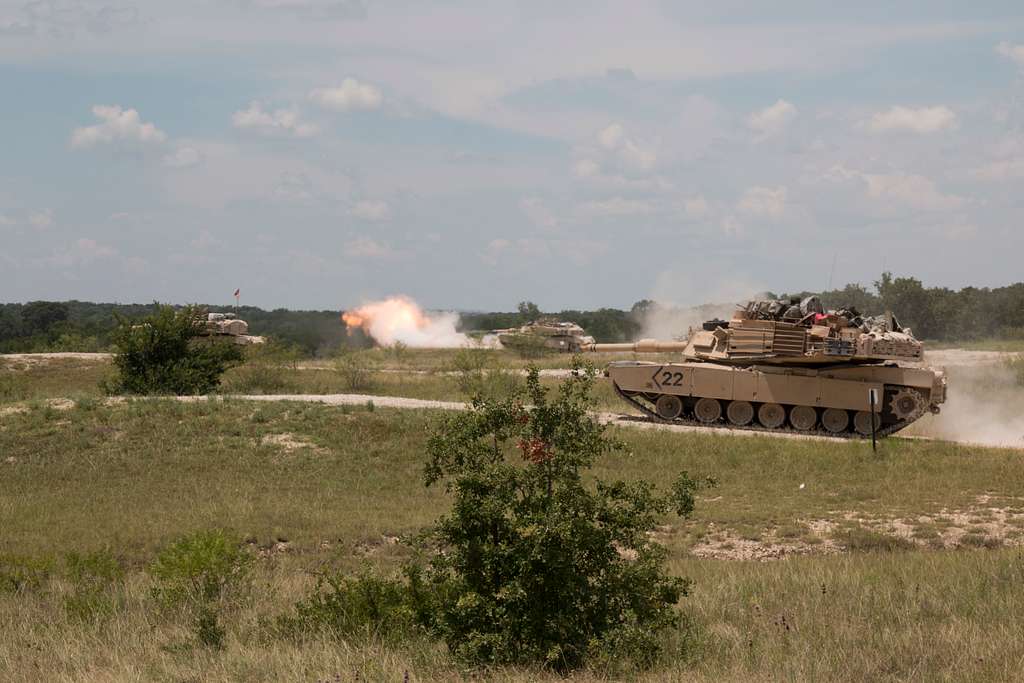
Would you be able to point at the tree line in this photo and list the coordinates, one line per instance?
(934, 313)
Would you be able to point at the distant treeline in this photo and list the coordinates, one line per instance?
(934, 313)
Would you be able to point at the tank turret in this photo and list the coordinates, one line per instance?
(777, 365)
(227, 326)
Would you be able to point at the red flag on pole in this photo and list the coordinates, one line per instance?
(237, 292)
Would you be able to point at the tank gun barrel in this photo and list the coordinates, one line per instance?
(642, 346)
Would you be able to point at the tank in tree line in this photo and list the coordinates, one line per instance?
(546, 334)
(785, 365)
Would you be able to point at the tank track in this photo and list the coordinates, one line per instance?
(882, 431)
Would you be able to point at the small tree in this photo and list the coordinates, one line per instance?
(533, 564)
(160, 354)
(528, 311)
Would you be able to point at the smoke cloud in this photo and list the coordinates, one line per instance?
(982, 406)
(400, 319)
(680, 303)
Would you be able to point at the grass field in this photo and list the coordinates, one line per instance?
(901, 565)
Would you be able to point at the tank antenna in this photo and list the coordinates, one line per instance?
(832, 271)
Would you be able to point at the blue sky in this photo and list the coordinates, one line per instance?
(322, 153)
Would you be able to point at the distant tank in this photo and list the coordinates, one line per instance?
(785, 366)
(546, 334)
(226, 326)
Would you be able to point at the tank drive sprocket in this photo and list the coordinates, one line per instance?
(907, 404)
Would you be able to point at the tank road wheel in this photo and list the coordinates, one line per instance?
(803, 417)
(669, 407)
(907, 404)
(707, 410)
(862, 422)
(835, 420)
(771, 415)
(740, 413)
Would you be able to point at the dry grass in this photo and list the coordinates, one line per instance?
(133, 476)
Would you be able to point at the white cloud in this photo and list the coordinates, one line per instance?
(912, 190)
(284, 121)
(696, 207)
(538, 213)
(616, 206)
(80, 252)
(772, 119)
(116, 124)
(183, 157)
(764, 202)
(1012, 52)
(364, 247)
(630, 153)
(923, 120)
(1004, 169)
(611, 137)
(41, 219)
(371, 210)
(351, 95)
(205, 241)
(731, 227)
(586, 168)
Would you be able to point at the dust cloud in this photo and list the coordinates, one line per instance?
(400, 319)
(675, 311)
(984, 405)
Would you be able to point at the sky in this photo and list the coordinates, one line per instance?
(474, 154)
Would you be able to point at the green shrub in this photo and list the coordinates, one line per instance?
(265, 369)
(356, 370)
(94, 578)
(865, 540)
(533, 565)
(203, 574)
(164, 354)
(365, 604)
(479, 374)
(20, 574)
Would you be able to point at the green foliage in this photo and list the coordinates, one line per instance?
(528, 311)
(860, 539)
(20, 574)
(93, 577)
(202, 567)
(266, 369)
(479, 373)
(163, 354)
(356, 369)
(202, 574)
(533, 564)
(366, 604)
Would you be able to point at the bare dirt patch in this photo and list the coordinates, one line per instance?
(289, 442)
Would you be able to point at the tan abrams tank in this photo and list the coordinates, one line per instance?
(227, 327)
(553, 335)
(812, 373)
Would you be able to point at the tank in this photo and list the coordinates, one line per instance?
(546, 334)
(226, 326)
(777, 366)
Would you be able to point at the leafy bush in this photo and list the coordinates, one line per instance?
(356, 370)
(533, 565)
(202, 574)
(160, 354)
(479, 374)
(93, 578)
(265, 369)
(347, 605)
(19, 574)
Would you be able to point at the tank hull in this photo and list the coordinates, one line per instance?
(832, 400)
